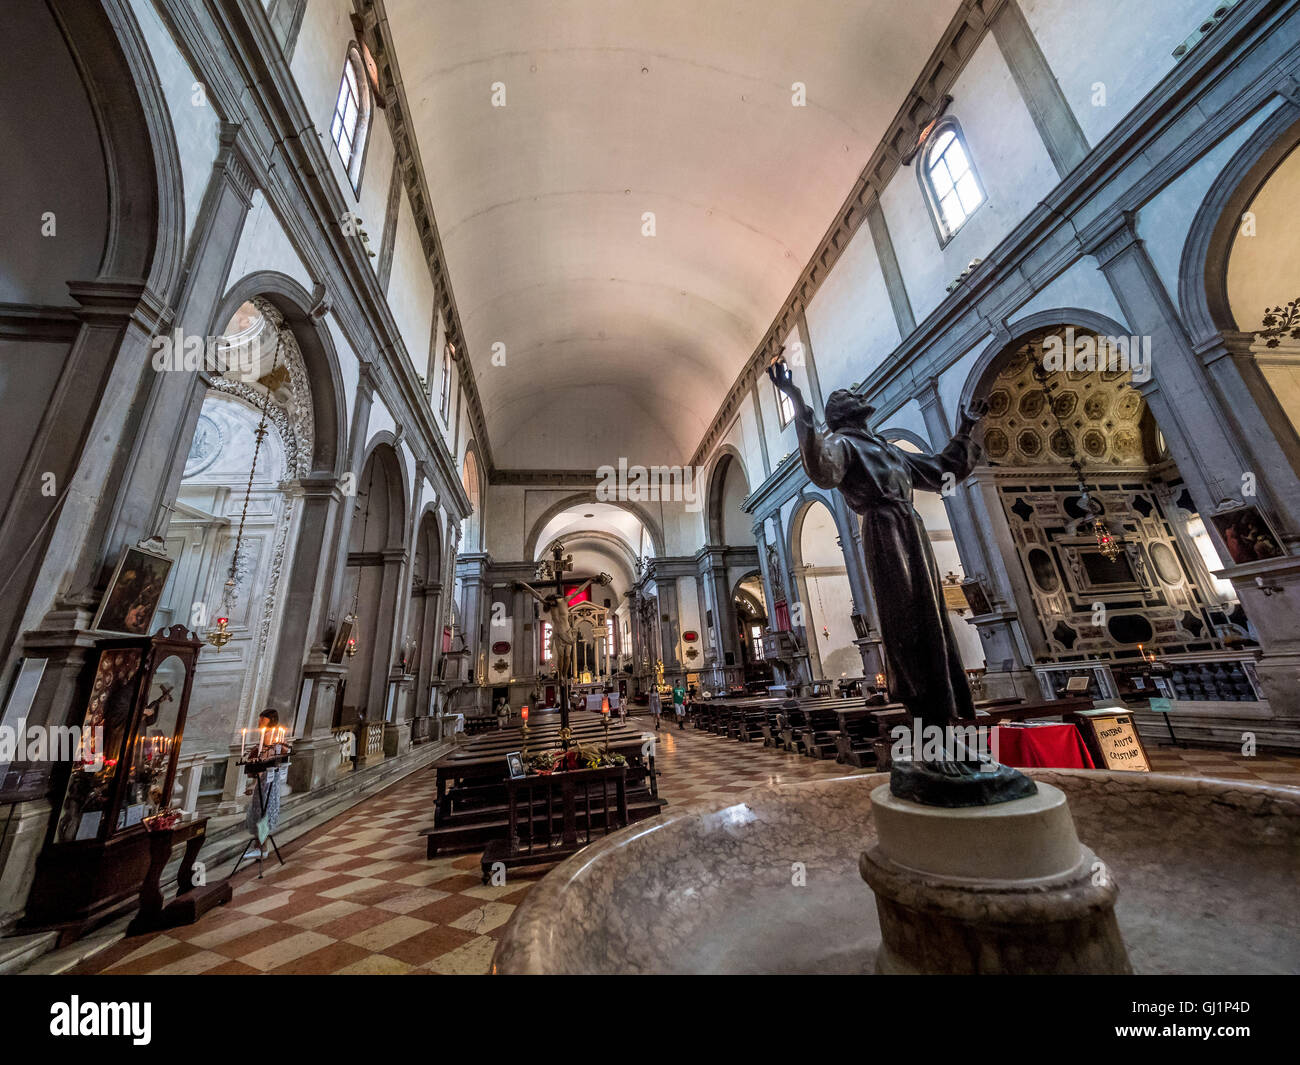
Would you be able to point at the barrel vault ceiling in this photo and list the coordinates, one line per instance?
(616, 343)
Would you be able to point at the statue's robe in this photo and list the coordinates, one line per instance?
(878, 479)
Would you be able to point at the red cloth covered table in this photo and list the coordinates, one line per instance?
(1042, 747)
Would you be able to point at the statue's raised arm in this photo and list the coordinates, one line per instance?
(824, 457)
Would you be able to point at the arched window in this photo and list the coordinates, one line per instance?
(352, 116)
(444, 396)
(948, 177)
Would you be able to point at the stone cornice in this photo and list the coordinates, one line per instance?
(250, 86)
(407, 147)
(545, 478)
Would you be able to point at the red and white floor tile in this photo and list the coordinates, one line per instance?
(359, 896)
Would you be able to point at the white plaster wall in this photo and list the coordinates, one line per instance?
(908, 417)
(1165, 219)
(953, 381)
(348, 370)
(1126, 47)
(410, 293)
(1012, 164)
(850, 320)
(264, 245)
(1082, 285)
(381, 419)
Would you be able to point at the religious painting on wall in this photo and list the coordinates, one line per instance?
(104, 727)
(1246, 535)
(342, 637)
(134, 592)
(976, 596)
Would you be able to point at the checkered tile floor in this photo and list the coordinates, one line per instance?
(358, 895)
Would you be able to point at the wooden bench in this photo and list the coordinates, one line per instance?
(862, 728)
(473, 801)
(551, 817)
(816, 737)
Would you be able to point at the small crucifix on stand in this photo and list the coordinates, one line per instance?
(564, 635)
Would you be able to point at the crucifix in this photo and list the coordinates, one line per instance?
(555, 605)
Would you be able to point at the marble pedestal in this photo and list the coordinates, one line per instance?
(1006, 888)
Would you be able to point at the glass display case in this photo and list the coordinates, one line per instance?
(135, 696)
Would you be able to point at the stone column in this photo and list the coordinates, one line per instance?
(321, 499)
(134, 415)
(1217, 434)
(385, 635)
(711, 565)
(338, 563)
(176, 398)
(802, 673)
(979, 527)
(1210, 457)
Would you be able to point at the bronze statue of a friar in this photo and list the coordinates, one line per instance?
(877, 479)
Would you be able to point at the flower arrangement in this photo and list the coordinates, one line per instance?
(578, 757)
(166, 818)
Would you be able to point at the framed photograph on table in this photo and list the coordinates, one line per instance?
(515, 763)
(133, 593)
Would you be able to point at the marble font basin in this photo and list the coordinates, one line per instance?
(1207, 871)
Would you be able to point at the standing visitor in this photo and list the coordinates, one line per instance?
(264, 810)
(679, 703)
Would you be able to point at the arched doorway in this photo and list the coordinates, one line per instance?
(1112, 561)
(730, 552)
(376, 555)
(825, 594)
(751, 624)
(232, 527)
(938, 528)
(1263, 284)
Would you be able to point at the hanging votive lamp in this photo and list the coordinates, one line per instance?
(1106, 543)
(221, 635)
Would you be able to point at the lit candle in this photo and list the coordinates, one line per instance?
(243, 742)
(524, 714)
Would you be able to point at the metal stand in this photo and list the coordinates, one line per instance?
(260, 855)
(264, 798)
(1174, 741)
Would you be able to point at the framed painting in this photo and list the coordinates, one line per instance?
(1246, 534)
(133, 592)
(342, 636)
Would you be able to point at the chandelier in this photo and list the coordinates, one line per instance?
(1107, 543)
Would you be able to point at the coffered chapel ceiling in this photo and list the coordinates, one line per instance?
(1095, 415)
(619, 344)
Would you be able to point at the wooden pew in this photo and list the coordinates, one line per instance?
(552, 817)
(862, 728)
(816, 737)
(472, 805)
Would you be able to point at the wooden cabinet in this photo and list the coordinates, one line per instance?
(131, 717)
